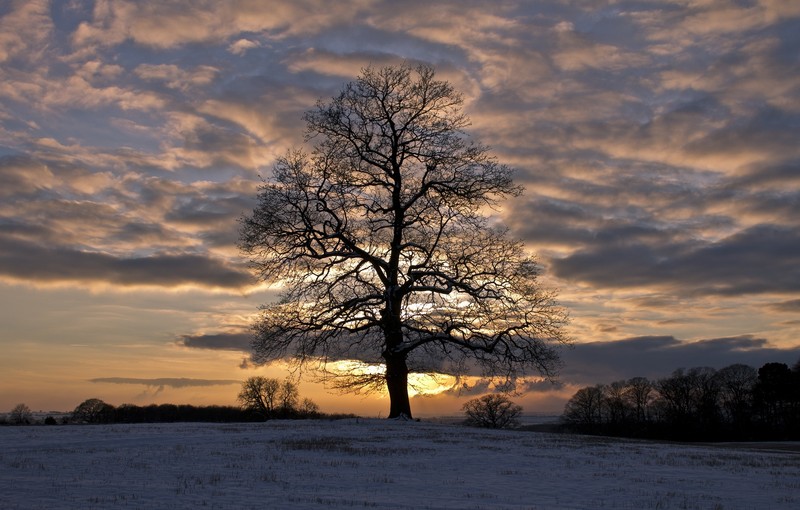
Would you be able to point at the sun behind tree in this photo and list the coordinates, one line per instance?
(380, 243)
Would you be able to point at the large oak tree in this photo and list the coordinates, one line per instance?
(384, 245)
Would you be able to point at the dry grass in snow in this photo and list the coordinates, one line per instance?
(377, 464)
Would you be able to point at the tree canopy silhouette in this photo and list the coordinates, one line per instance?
(381, 243)
(736, 402)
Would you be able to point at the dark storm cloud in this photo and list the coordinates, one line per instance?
(657, 356)
(757, 260)
(220, 341)
(165, 382)
(24, 260)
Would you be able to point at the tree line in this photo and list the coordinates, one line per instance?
(260, 399)
(737, 402)
(96, 411)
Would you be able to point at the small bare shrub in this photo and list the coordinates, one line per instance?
(20, 415)
(492, 412)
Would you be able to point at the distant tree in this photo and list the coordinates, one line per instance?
(706, 394)
(93, 410)
(586, 408)
(492, 411)
(268, 397)
(380, 241)
(20, 415)
(777, 398)
(308, 408)
(639, 394)
(289, 396)
(737, 383)
(168, 412)
(774, 381)
(260, 394)
(774, 387)
(129, 413)
(676, 402)
(616, 406)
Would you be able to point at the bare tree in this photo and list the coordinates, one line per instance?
(308, 407)
(269, 397)
(586, 407)
(260, 394)
(20, 415)
(288, 396)
(640, 394)
(615, 404)
(676, 402)
(736, 392)
(380, 243)
(492, 411)
(690, 398)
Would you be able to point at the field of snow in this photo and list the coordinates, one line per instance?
(377, 464)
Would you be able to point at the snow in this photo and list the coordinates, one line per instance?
(370, 463)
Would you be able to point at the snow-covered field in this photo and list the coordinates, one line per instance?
(377, 464)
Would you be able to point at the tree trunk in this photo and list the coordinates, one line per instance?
(396, 366)
(397, 384)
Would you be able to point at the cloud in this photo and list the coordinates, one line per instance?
(212, 146)
(175, 77)
(766, 177)
(222, 341)
(22, 176)
(24, 30)
(271, 118)
(757, 260)
(22, 260)
(791, 306)
(657, 356)
(522, 386)
(479, 387)
(61, 221)
(80, 91)
(578, 53)
(766, 136)
(241, 46)
(339, 65)
(172, 24)
(165, 382)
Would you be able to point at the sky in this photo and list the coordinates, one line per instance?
(658, 142)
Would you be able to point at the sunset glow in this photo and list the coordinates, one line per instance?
(419, 384)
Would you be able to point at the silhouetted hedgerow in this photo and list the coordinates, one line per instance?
(171, 413)
(733, 403)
